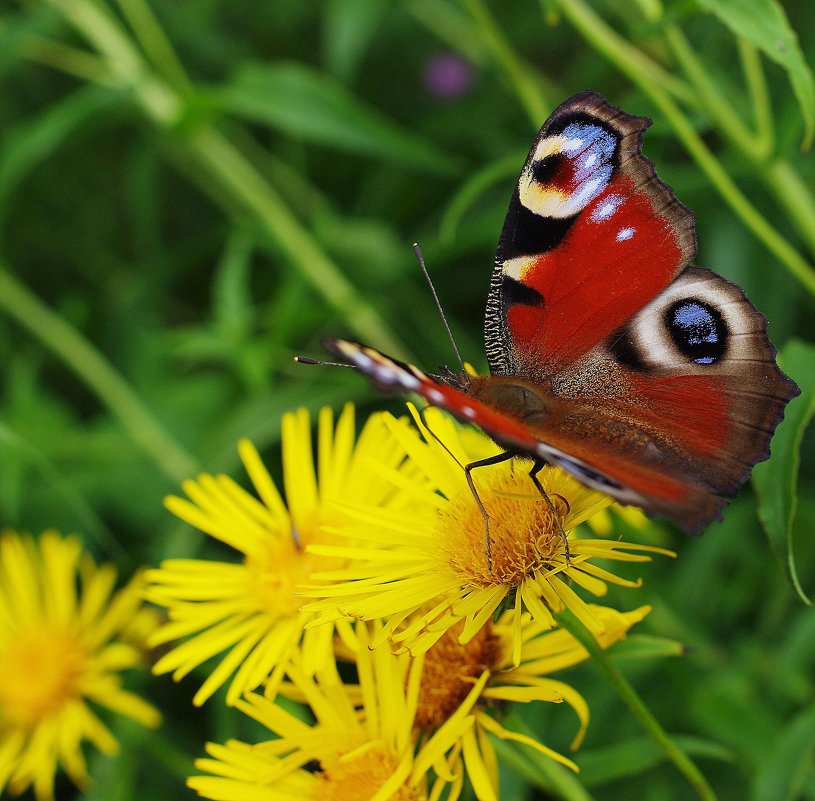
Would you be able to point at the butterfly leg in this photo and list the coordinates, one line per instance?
(468, 469)
(423, 418)
(537, 466)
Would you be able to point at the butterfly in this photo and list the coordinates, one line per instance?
(610, 354)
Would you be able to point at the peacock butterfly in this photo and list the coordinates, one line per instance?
(610, 354)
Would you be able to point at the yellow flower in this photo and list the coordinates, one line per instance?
(426, 571)
(61, 647)
(248, 611)
(506, 661)
(363, 741)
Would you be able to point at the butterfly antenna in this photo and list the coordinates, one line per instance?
(418, 251)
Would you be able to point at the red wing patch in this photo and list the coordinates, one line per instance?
(590, 237)
(617, 255)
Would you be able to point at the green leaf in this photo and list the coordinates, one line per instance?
(28, 144)
(348, 30)
(765, 24)
(775, 481)
(540, 771)
(48, 474)
(636, 755)
(473, 189)
(646, 646)
(301, 102)
(452, 25)
(19, 30)
(232, 296)
(788, 762)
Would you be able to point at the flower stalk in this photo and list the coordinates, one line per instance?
(636, 706)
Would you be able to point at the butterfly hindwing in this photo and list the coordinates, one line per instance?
(672, 410)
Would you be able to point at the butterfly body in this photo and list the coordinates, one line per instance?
(610, 354)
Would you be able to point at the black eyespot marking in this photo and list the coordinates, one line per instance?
(697, 329)
(546, 169)
(623, 348)
(514, 292)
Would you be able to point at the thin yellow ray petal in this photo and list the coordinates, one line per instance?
(395, 780)
(450, 732)
(299, 479)
(58, 562)
(190, 513)
(574, 603)
(229, 664)
(516, 632)
(477, 772)
(523, 695)
(491, 598)
(492, 726)
(533, 603)
(606, 576)
(586, 581)
(188, 655)
(326, 475)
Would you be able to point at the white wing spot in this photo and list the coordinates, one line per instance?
(625, 233)
(468, 411)
(606, 209)
(384, 374)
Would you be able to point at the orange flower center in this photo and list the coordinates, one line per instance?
(524, 536)
(449, 672)
(39, 672)
(277, 572)
(358, 778)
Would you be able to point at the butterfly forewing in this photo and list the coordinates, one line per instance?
(590, 236)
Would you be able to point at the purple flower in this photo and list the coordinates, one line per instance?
(448, 76)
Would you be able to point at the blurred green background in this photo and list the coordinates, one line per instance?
(193, 193)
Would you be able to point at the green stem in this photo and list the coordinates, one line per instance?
(235, 174)
(540, 770)
(638, 60)
(789, 191)
(70, 60)
(154, 42)
(608, 42)
(759, 96)
(569, 622)
(107, 384)
(794, 196)
(521, 78)
(125, 62)
(727, 119)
